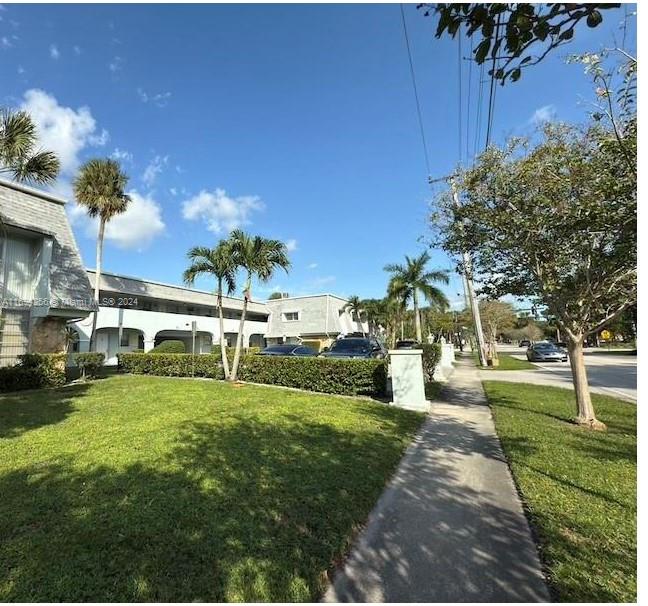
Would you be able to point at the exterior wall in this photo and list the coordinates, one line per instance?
(42, 279)
(321, 317)
(65, 282)
(151, 323)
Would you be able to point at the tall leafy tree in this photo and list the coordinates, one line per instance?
(19, 155)
(413, 279)
(512, 36)
(219, 264)
(259, 258)
(100, 188)
(555, 222)
(356, 308)
(496, 317)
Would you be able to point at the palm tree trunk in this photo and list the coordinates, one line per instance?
(239, 337)
(417, 318)
(221, 327)
(100, 237)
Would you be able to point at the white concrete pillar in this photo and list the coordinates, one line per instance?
(408, 386)
(149, 343)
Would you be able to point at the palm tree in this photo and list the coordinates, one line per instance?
(408, 280)
(99, 187)
(18, 153)
(216, 262)
(355, 308)
(258, 257)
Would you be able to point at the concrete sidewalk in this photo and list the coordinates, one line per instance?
(450, 526)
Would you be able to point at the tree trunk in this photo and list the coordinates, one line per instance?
(585, 410)
(239, 337)
(100, 237)
(417, 319)
(221, 327)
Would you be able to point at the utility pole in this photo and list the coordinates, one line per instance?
(472, 297)
(468, 281)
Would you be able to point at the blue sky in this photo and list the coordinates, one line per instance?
(293, 121)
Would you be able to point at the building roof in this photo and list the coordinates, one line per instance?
(42, 212)
(129, 285)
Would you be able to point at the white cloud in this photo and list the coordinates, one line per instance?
(54, 51)
(291, 245)
(5, 42)
(62, 130)
(159, 99)
(173, 191)
(20, 70)
(219, 211)
(543, 114)
(134, 229)
(76, 49)
(154, 168)
(115, 65)
(312, 266)
(122, 155)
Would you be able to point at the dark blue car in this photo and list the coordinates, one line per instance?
(290, 349)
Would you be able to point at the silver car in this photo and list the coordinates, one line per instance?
(546, 352)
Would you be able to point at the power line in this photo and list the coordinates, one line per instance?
(460, 119)
(491, 99)
(468, 104)
(416, 96)
(480, 98)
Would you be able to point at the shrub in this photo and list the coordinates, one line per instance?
(89, 363)
(171, 346)
(172, 365)
(431, 356)
(229, 351)
(34, 371)
(345, 377)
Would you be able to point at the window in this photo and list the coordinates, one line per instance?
(124, 342)
(291, 316)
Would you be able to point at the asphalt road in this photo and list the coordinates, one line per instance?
(613, 374)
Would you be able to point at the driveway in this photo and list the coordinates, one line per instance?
(612, 374)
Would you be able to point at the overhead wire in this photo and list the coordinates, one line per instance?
(493, 88)
(459, 112)
(416, 95)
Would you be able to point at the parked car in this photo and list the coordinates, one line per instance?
(355, 347)
(524, 343)
(289, 349)
(408, 344)
(545, 352)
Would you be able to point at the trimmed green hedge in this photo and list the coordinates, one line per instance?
(344, 377)
(430, 358)
(170, 346)
(34, 371)
(89, 363)
(172, 365)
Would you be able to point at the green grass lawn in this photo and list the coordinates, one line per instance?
(144, 488)
(508, 362)
(580, 487)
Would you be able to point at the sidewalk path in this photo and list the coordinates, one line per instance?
(450, 526)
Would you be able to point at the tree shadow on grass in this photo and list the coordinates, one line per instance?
(242, 510)
(23, 411)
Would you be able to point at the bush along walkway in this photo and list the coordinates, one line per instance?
(450, 526)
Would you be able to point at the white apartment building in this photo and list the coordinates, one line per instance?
(139, 314)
